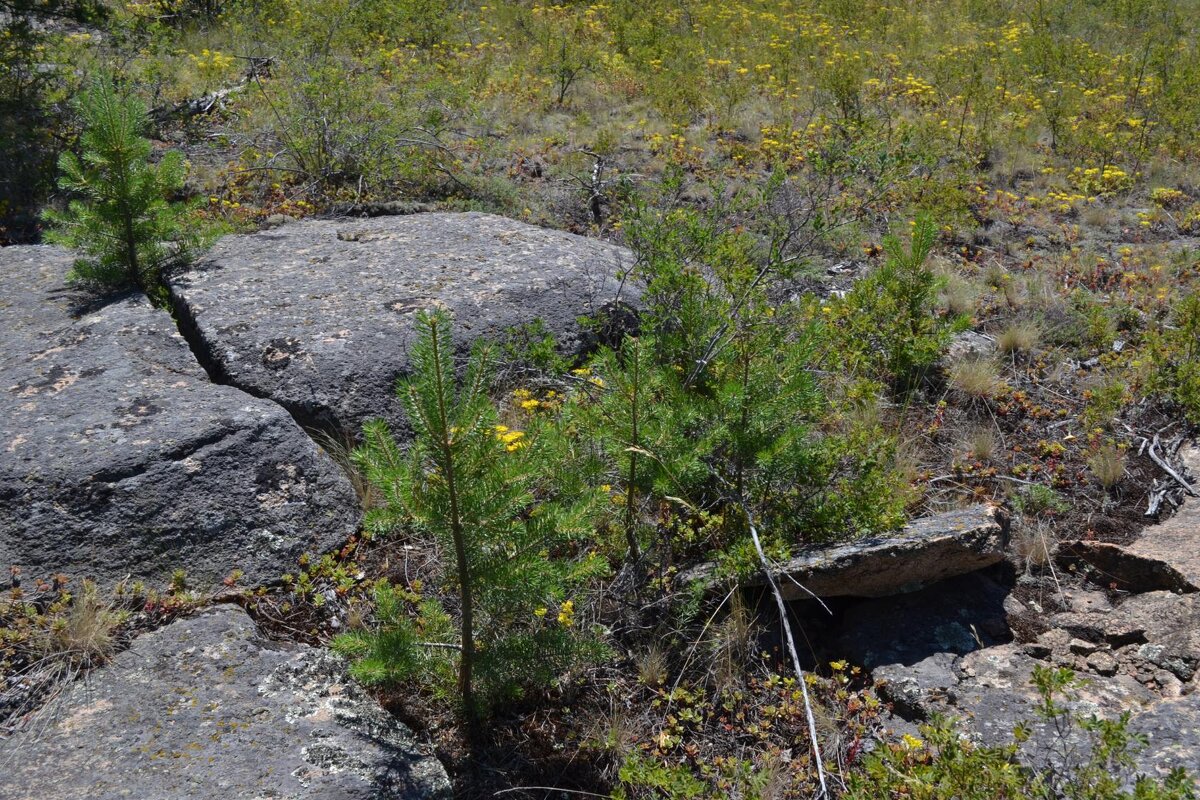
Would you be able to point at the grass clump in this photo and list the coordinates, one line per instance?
(977, 379)
(1108, 465)
(1018, 338)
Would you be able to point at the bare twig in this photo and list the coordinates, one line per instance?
(808, 592)
(791, 643)
(1157, 459)
(547, 789)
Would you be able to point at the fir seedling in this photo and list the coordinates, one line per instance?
(121, 218)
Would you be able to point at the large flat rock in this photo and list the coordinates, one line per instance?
(1140, 657)
(318, 315)
(119, 457)
(925, 551)
(206, 708)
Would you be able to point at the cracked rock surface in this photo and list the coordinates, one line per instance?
(206, 708)
(319, 315)
(1137, 650)
(119, 457)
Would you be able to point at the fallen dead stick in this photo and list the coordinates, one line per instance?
(1154, 456)
(791, 642)
(1156, 498)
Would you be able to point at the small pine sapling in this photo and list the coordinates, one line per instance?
(469, 483)
(889, 320)
(120, 218)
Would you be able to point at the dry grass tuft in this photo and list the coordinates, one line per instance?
(960, 296)
(84, 633)
(1034, 544)
(341, 450)
(982, 442)
(1019, 337)
(1108, 465)
(730, 644)
(652, 667)
(976, 378)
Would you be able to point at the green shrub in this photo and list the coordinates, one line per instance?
(122, 218)
(888, 325)
(469, 483)
(717, 407)
(31, 122)
(1175, 353)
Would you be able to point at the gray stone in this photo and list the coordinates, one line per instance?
(1082, 648)
(319, 315)
(119, 457)
(206, 708)
(1170, 624)
(1102, 663)
(969, 344)
(1141, 656)
(926, 551)
(1165, 556)
(990, 693)
(917, 690)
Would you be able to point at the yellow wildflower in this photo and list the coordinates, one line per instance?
(566, 614)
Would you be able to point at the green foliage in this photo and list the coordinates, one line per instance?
(122, 219)
(943, 765)
(401, 645)
(344, 127)
(888, 325)
(1175, 353)
(471, 485)
(532, 347)
(718, 410)
(1104, 402)
(31, 122)
(1038, 500)
(641, 777)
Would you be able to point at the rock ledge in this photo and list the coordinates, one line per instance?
(206, 708)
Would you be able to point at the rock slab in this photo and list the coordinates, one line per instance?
(1165, 556)
(206, 708)
(1140, 657)
(318, 315)
(119, 457)
(923, 552)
